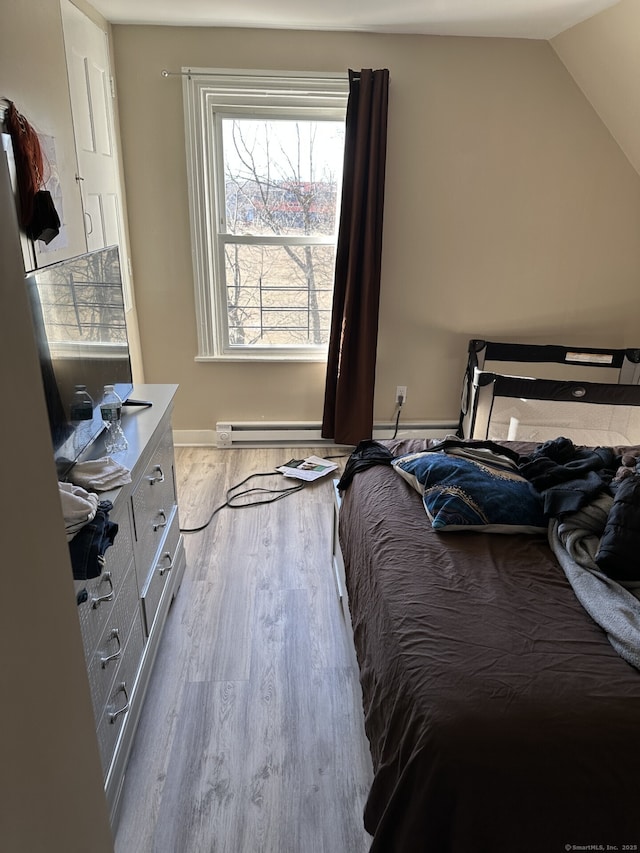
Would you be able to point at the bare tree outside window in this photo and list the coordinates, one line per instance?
(282, 182)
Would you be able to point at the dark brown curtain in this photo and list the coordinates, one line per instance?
(351, 362)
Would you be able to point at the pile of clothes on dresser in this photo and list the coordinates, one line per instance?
(86, 516)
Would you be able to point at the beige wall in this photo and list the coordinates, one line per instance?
(511, 213)
(603, 56)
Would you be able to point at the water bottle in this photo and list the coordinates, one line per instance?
(81, 408)
(111, 410)
(81, 416)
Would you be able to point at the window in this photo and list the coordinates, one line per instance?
(264, 154)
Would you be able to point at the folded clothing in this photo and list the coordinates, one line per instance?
(100, 475)
(78, 507)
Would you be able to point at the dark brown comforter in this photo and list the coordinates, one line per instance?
(499, 717)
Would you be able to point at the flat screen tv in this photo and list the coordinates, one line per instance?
(79, 320)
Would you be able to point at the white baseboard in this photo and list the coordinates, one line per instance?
(298, 434)
(194, 437)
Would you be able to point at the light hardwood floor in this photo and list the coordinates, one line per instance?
(251, 739)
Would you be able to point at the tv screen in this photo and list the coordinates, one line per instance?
(79, 318)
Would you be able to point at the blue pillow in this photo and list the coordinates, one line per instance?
(481, 492)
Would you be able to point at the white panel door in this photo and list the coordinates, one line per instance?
(90, 87)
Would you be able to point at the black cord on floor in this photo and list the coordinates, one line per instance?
(276, 495)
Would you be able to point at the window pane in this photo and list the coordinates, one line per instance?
(282, 176)
(279, 295)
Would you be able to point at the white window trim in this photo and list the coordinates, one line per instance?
(235, 92)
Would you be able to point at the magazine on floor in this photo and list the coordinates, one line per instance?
(311, 468)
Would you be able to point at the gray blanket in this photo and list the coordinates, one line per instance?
(615, 608)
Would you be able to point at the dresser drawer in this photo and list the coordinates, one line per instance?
(160, 573)
(153, 502)
(120, 696)
(109, 651)
(102, 591)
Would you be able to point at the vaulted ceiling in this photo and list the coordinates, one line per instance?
(536, 19)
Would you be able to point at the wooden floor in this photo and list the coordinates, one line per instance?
(251, 739)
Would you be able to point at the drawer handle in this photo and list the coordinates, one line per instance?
(114, 635)
(163, 569)
(96, 601)
(122, 688)
(158, 524)
(157, 477)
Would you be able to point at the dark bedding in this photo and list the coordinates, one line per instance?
(499, 716)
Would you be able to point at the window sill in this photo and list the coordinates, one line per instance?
(319, 358)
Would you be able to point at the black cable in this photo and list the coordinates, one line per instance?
(395, 433)
(279, 494)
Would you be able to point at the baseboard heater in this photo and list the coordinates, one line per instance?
(293, 434)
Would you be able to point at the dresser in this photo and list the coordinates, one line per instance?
(126, 606)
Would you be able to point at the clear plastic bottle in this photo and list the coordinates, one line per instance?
(81, 416)
(111, 410)
(81, 408)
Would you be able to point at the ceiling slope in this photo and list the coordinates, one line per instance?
(535, 19)
(603, 56)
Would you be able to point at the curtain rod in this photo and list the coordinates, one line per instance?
(230, 71)
(203, 73)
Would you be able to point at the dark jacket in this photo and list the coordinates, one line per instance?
(619, 552)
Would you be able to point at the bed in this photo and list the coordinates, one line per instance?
(499, 715)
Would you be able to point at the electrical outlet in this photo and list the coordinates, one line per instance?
(223, 435)
(401, 395)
